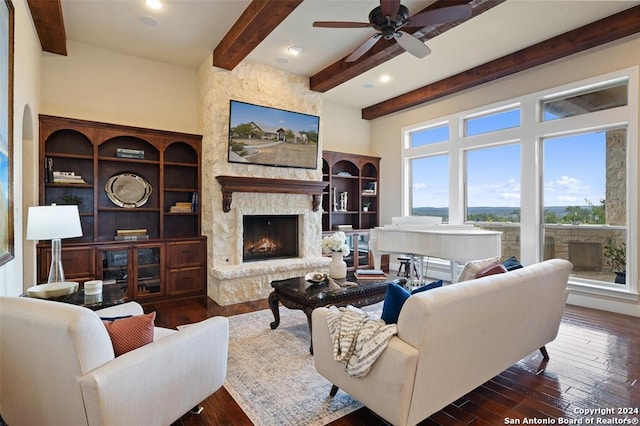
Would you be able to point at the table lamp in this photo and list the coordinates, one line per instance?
(54, 223)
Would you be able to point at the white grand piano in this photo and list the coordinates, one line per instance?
(419, 236)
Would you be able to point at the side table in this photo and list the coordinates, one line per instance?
(112, 294)
(298, 293)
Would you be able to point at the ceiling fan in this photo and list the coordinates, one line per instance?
(390, 17)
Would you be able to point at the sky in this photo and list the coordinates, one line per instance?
(573, 169)
(244, 113)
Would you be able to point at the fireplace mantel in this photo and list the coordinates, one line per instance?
(231, 184)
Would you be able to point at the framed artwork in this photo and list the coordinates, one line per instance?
(6, 132)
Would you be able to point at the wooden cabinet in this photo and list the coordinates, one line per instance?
(124, 180)
(350, 202)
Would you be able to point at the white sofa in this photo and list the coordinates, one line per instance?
(452, 339)
(57, 367)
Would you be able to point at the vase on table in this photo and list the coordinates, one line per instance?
(337, 266)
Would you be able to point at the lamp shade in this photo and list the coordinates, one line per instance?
(53, 222)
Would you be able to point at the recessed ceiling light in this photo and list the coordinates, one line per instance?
(153, 4)
(384, 78)
(295, 50)
(282, 60)
(149, 20)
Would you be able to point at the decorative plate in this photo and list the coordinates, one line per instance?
(128, 190)
(316, 277)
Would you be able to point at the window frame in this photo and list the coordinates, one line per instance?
(530, 135)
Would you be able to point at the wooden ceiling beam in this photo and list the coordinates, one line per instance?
(258, 20)
(597, 33)
(47, 18)
(341, 71)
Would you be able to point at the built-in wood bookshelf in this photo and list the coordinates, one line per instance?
(167, 258)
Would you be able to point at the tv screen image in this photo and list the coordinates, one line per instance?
(272, 137)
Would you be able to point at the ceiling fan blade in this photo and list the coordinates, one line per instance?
(362, 49)
(341, 24)
(412, 44)
(440, 16)
(390, 8)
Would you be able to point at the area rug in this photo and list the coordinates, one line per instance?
(271, 375)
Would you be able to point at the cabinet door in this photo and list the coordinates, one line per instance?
(148, 271)
(186, 267)
(78, 263)
(185, 280)
(114, 265)
(185, 253)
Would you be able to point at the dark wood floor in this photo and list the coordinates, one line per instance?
(594, 365)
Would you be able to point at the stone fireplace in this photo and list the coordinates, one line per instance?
(229, 279)
(256, 206)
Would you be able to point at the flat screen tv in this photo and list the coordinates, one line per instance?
(272, 137)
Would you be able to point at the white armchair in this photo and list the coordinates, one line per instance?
(57, 366)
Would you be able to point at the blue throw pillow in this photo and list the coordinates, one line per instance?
(393, 301)
(426, 287)
(511, 264)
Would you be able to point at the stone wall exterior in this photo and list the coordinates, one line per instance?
(229, 280)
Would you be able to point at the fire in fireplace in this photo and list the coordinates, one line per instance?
(268, 237)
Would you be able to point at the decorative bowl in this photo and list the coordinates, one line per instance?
(52, 290)
(316, 277)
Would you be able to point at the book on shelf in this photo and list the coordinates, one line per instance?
(178, 209)
(131, 237)
(68, 179)
(342, 227)
(370, 274)
(137, 154)
(181, 207)
(139, 231)
(48, 169)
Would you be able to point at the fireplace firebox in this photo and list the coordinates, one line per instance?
(267, 237)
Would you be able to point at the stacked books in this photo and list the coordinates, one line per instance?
(131, 234)
(181, 207)
(67, 177)
(370, 274)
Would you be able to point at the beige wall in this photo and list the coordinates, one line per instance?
(386, 131)
(343, 129)
(97, 84)
(26, 95)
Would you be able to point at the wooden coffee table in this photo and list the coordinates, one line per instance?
(298, 293)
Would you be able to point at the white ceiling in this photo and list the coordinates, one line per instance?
(189, 30)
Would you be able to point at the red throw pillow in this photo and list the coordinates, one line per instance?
(491, 269)
(130, 333)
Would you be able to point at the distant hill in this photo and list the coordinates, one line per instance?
(495, 211)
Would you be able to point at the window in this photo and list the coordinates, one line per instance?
(430, 186)
(585, 101)
(555, 187)
(439, 133)
(492, 122)
(493, 193)
(588, 191)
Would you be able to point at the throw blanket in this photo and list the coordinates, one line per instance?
(359, 338)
